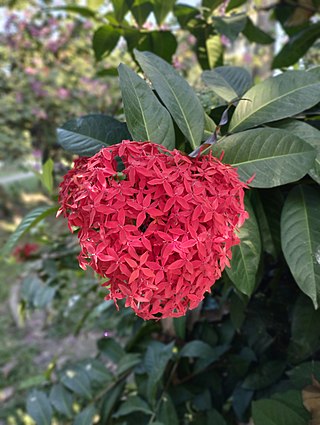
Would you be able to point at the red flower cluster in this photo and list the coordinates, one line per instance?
(161, 230)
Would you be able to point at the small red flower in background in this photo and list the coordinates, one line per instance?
(24, 252)
(161, 230)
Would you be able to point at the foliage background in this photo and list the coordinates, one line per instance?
(250, 352)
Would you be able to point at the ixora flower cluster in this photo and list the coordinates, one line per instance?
(161, 230)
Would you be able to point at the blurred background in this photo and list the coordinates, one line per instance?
(58, 61)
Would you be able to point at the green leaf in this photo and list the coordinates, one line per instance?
(105, 39)
(162, 43)
(77, 381)
(29, 221)
(180, 326)
(156, 360)
(228, 82)
(128, 362)
(230, 26)
(39, 408)
(297, 46)
(307, 133)
(304, 334)
(197, 349)
(147, 119)
(255, 35)
(214, 51)
(141, 9)
(133, 404)
(275, 157)
(61, 400)
(111, 348)
(43, 296)
(110, 400)
(211, 4)
(184, 14)
(233, 4)
(87, 135)
(246, 256)
(85, 417)
(96, 371)
(300, 238)
(214, 417)
(301, 375)
(161, 9)
(293, 399)
(264, 375)
(274, 412)
(167, 413)
(46, 176)
(121, 8)
(276, 98)
(176, 94)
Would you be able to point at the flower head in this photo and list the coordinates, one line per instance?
(161, 230)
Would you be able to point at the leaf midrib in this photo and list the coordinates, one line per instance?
(194, 145)
(271, 101)
(140, 106)
(270, 158)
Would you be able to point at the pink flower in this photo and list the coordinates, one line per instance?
(161, 231)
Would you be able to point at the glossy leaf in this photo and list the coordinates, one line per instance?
(104, 41)
(44, 296)
(274, 157)
(255, 35)
(147, 119)
(86, 12)
(133, 404)
(300, 238)
(176, 94)
(276, 98)
(214, 417)
(274, 412)
(211, 4)
(85, 417)
(29, 221)
(39, 408)
(87, 135)
(297, 46)
(62, 400)
(307, 133)
(246, 256)
(228, 82)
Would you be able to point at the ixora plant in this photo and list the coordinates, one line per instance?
(160, 208)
